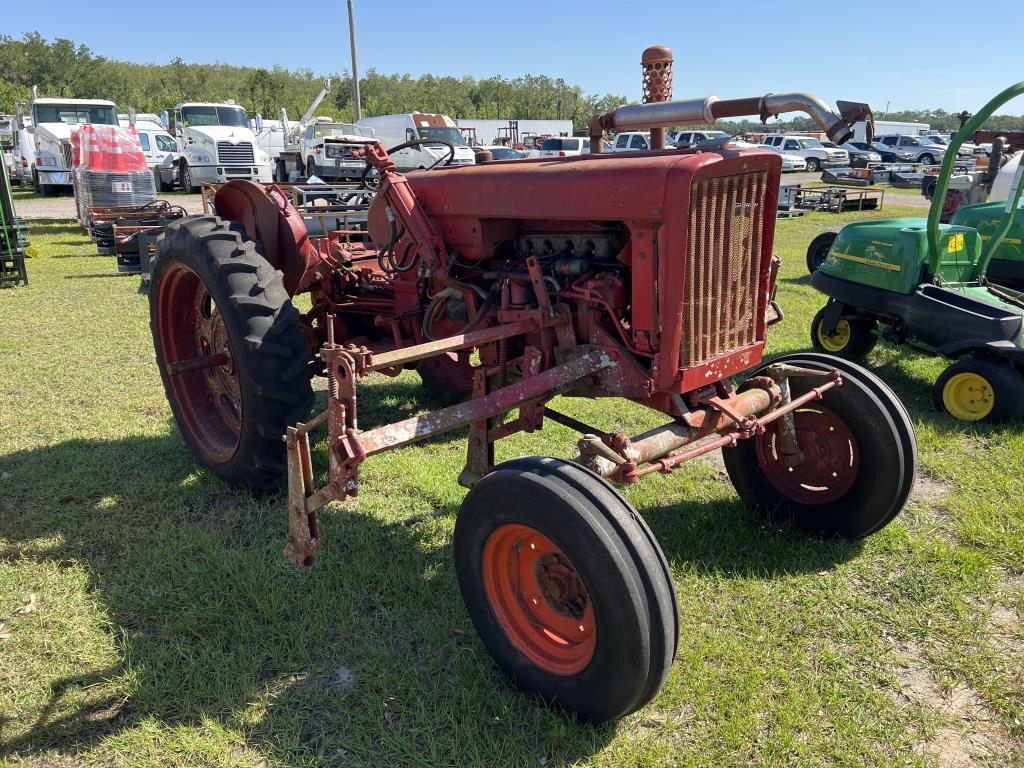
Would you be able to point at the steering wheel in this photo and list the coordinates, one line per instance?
(446, 159)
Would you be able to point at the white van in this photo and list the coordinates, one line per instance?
(393, 130)
(161, 150)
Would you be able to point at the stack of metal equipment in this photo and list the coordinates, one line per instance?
(13, 241)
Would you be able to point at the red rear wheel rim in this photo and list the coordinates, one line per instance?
(831, 461)
(539, 599)
(208, 400)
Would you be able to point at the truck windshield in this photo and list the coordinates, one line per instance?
(452, 135)
(810, 144)
(337, 129)
(74, 114)
(229, 116)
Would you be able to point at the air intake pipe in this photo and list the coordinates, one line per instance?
(635, 117)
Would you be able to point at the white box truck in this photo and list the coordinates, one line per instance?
(393, 130)
(216, 144)
(890, 127)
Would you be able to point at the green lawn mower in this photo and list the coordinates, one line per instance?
(925, 284)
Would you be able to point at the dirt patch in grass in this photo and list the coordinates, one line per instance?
(970, 733)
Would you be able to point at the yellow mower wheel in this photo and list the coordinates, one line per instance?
(853, 337)
(981, 389)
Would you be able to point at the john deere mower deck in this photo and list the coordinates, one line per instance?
(925, 284)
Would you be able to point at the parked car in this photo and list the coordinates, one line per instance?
(500, 152)
(918, 149)
(859, 158)
(632, 141)
(789, 162)
(966, 149)
(887, 154)
(565, 146)
(809, 148)
(161, 151)
(687, 139)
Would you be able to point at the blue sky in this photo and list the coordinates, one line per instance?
(910, 54)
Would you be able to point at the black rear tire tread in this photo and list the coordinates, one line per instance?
(251, 297)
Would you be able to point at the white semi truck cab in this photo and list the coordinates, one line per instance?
(52, 123)
(216, 144)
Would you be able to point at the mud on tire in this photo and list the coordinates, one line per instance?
(211, 288)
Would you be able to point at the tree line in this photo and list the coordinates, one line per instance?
(63, 68)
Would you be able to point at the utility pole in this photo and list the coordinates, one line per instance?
(355, 66)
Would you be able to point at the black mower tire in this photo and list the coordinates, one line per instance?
(883, 470)
(625, 575)
(266, 343)
(818, 250)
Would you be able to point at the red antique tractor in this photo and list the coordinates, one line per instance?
(646, 277)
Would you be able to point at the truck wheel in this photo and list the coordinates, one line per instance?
(216, 302)
(813, 166)
(35, 181)
(818, 250)
(856, 472)
(567, 587)
(926, 159)
(310, 167)
(853, 337)
(981, 389)
(281, 172)
(162, 185)
(186, 177)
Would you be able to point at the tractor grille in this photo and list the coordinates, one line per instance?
(723, 264)
(65, 151)
(234, 153)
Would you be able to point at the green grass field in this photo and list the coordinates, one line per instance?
(147, 617)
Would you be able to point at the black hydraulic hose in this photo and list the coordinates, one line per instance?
(438, 301)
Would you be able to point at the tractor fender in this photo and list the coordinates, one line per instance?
(978, 347)
(269, 217)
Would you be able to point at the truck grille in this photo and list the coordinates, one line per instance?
(723, 265)
(234, 153)
(65, 151)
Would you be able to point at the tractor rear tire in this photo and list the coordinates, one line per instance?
(213, 292)
(567, 587)
(818, 250)
(981, 389)
(858, 470)
(854, 337)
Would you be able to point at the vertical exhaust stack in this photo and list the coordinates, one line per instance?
(657, 65)
(657, 113)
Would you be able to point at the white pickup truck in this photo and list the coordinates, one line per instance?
(809, 148)
(327, 150)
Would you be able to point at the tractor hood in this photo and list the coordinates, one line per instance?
(630, 187)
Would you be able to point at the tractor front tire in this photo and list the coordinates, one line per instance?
(859, 457)
(216, 301)
(567, 587)
(981, 389)
(818, 250)
(853, 338)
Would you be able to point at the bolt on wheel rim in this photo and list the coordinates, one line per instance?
(539, 599)
(208, 399)
(831, 460)
(968, 396)
(838, 340)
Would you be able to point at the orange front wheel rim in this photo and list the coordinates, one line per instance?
(539, 599)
